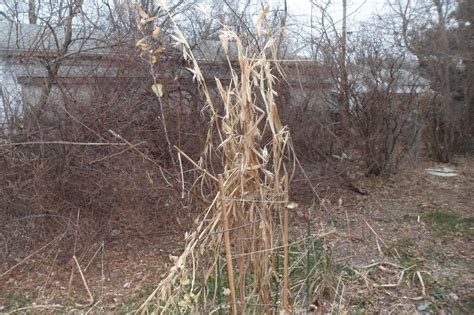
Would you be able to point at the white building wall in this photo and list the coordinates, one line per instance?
(10, 95)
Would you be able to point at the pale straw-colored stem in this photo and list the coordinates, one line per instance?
(286, 280)
(228, 252)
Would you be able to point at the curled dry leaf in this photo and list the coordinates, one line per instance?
(156, 33)
(144, 22)
(292, 205)
(159, 50)
(142, 44)
(157, 89)
(142, 13)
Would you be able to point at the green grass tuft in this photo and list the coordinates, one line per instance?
(15, 300)
(446, 223)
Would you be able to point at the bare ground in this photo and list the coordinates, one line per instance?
(410, 226)
(411, 220)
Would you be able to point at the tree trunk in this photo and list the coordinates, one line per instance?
(32, 17)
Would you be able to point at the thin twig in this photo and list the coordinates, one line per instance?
(37, 307)
(93, 257)
(143, 155)
(423, 289)
(194, 163)
(31, 255)
(118, 153)
(62, 142)
(281, 247)
(91, 298)
(49, 273)
(376, 235)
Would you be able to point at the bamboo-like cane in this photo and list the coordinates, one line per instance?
(286, 280)
(230, 269)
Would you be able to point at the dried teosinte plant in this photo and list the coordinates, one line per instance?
(247, 218)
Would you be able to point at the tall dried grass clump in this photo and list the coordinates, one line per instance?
(232, 259)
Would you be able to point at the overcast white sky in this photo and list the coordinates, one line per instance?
(357, 10)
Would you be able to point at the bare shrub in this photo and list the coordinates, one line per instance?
(379, 121)
(67, 160)
(87, 134)
(305, 106)
(440, 124)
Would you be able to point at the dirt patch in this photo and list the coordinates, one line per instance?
(417, 221)
(410, 226)
(119, 272)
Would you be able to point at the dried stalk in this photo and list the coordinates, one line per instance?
(253, 186)
(286, 278)
(230, 269)
(91, 298)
